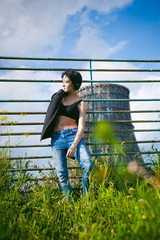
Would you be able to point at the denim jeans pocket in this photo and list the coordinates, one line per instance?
(54, 138)
(74, 130)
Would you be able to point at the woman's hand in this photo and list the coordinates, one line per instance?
(70, 152)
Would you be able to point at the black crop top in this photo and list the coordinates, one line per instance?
(70, 111)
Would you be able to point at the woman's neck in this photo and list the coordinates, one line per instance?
(72, 94)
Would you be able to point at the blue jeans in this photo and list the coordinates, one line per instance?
(60, 142)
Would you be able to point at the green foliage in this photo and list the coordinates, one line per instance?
(118, 205)
(39, 212)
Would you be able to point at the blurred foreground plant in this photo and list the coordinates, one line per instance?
(105, 164)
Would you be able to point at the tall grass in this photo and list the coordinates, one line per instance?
(115, 210)
(120, 204)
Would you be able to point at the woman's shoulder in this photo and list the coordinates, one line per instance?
(82, 104)
(58, 93)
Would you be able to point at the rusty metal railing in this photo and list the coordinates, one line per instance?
(89, 69)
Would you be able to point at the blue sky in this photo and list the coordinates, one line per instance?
(140, 25)
(136, 25)
(100, 29)
(117, 29)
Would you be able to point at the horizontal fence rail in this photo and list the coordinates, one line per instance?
(91, 70)
(39, 133)
(85, 81)
(116, 121)
(105, 143)
(90, 100)
(79, 69)
(95, 154)
(91, 112)
(79, 59)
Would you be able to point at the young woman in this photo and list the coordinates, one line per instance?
(64, 123)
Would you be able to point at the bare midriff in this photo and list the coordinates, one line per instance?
(63, 122)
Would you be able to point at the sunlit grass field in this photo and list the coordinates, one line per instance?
(119, 205)
(123, 202)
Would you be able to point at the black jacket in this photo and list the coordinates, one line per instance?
(52, 110)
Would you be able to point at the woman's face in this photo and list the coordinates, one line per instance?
(67, 84)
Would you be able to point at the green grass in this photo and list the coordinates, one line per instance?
(121, 206)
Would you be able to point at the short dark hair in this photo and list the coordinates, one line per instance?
(74, 76)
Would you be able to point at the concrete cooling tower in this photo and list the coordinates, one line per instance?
(124, 131)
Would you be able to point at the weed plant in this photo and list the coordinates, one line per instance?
(119, 205)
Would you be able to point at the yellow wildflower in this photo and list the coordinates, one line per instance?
(26, 134)
(4, 111)
(23, 114)
(3, 118)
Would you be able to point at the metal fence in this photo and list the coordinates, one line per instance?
(94, 71)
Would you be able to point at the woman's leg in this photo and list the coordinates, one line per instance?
(60, 164)
(83, 156)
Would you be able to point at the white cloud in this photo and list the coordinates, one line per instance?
(91, 44)
(27, 90)
(30, 26)
(36, 28)
(107, 5)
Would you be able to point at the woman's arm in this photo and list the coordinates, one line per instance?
(81, 125)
